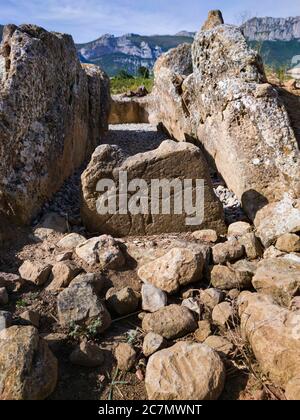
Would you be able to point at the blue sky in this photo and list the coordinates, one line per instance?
(88, 19)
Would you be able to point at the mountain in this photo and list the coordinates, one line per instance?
(1, 31)
(130, 51)
(277, 39)
(272, 29)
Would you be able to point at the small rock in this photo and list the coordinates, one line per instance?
(278, 277)
(5, 320)
(80, 304)
(28, 369)
(223, 315)
(177, 268)
(193, 304)
(229, 251)
(102, 250)
(65, 256)
(211, 297)
(125, 355)
(171, 322)
(153, 298)
(272, 252)
(252, 245)
(3, 296)
(12, 282)
(153, 343)
(62, 275)
(87, 355)
(233, 294)
(32, 317)
(35, 272)
(185, 371)
(223, 346)
(236, 276)
(289, 242)
(124, 301)
(71, 241)
(203, 331)
(208, 235)
(55, 222)
(239, 229)
(276, 219)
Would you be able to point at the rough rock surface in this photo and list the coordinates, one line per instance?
(124, 301)
(276, 219)
(129, 110)
(227, 104)
(170, 322)
(228, 251)
(166, 162)
(273, 333)
(79, 304)
(178, 267)
(153, 343)
(35, 272)
(236, 276)
(49, 122)
(103, 250)
(186, 371)
(278, 277)
(87, 355)
(28, 369)
(153, 298)
(125, 355)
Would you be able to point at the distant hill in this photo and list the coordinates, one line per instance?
(272, 29)
(130, 51)
(1, 31)
(276, 39)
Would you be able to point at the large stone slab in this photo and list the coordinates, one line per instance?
(168, 162)
(52, 115)
(225, 103)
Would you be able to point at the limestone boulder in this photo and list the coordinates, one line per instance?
(173, 321)
(177, 268)
(168, 108)
(185, 371)
(279, 278)
(28, 369)
(80, 304)
(103, 251)
(277, 219)
(273, 333)
(140, 217)
(52, 114)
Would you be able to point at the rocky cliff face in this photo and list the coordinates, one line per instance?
(272, 29)
(129, 51)
(52, 115)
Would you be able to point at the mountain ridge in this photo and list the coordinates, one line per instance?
(272, 29)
